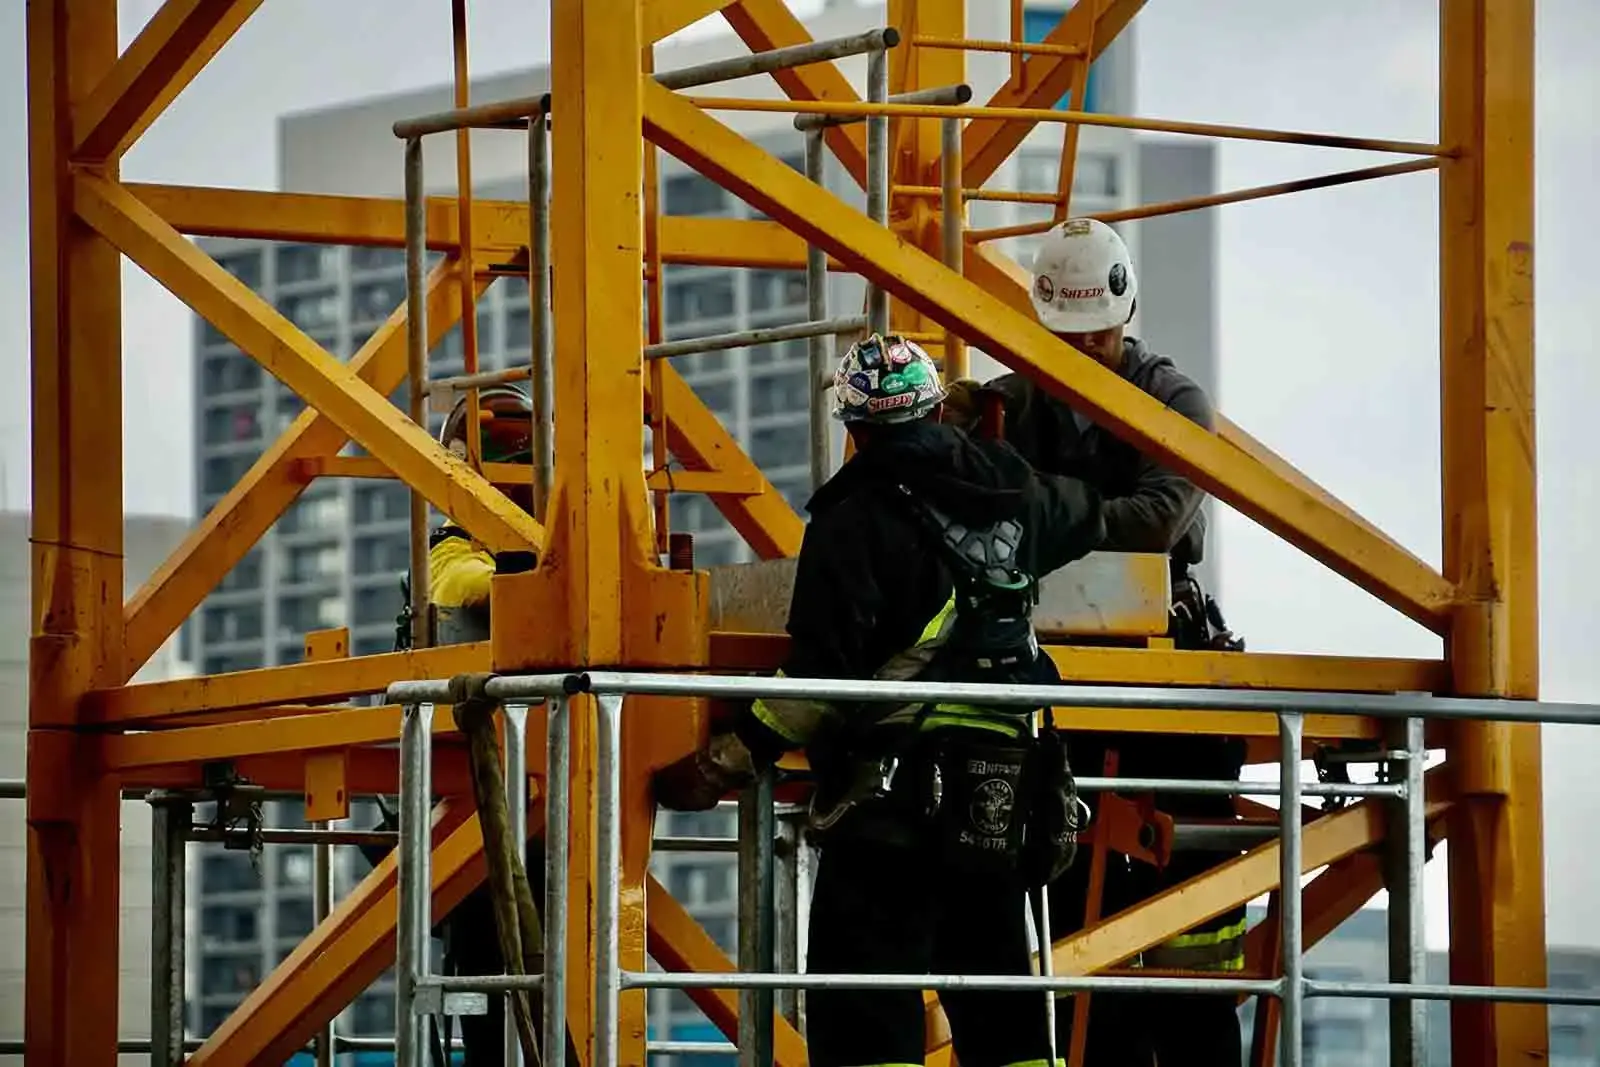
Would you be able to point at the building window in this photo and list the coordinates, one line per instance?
(772, 289)
(295, 918)
(222, 472)
(246, 574)
(228, 872)
(312, 311)
(372, 1016)
(772, 394)
(708, 296)
(307, 263)
(780, 352)
(374, 606)
(690, 512)
(313, 563)
(246, 266)
(233, 973)
(716, 395)
(241, 622)
(519, 330)
(229, 372)
(780, 446)
(1037, 23)
(302, 614)
(233, 661)
(375, 301)
(232, 424)
(698, 884)
(229, 923)
(323, 511)
(1094, 175)
(377, 259)
(797, 491)
(690, 194)
(382, 554)
(294, 865)
(450, 348)
(381, 503)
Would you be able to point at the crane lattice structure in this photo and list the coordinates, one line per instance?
(600, 596)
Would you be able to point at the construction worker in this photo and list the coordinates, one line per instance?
(919, 562)
(1085, 291)
(460, 570)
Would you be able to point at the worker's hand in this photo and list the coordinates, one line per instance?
(963, 407)
(703, 777)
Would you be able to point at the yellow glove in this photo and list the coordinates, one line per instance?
(963, 407)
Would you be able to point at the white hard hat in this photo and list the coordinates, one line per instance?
(1083, 278)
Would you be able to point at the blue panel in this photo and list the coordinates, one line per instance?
(1037, 22)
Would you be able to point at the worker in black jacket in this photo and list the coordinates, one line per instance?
(1085, 291)
(933, 820)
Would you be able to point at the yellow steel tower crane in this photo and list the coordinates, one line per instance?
(599, 596)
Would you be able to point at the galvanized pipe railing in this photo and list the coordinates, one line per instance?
(608, 690)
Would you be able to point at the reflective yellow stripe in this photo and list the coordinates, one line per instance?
(1207, 937)
(1209, 950)
(793, 719)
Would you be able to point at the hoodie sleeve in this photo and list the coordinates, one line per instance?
(1162, 505)
(1066, 521)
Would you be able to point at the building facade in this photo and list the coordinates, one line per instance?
(336, 558)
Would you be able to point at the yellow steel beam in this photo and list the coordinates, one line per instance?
(325, 383)
(344, 954)
(315, 730)
(73, 814)
(174, 46)
(1044, 79)
(1248, 485)
(1004, 278)
(767, 24)
(697, 437)
(1157, 667)
(680, 944)
(1486, 227)
(1326, 840)
(326, 680)
(663, 18)
(499, 227)
(271, 485)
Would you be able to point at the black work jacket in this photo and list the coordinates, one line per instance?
(1148, 508)
(870, 575)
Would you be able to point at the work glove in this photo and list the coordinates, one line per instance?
(963, 404)
(703, 777)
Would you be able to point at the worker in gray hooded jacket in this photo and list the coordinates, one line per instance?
(1085, 291)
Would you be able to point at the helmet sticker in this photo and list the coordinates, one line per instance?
(1083, 294)
(851, 396)
(916, 374)
(1118, 281)
(863, 381)
(1044, 288)
(893, 383)
(1077, 227)
(889, 403)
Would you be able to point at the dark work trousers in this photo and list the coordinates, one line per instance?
(888, 909)
(1137, 1030)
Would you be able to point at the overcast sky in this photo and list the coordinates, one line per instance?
(1329, 322)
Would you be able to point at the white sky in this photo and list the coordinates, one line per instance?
(1328, 299)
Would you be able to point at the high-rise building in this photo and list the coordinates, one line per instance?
(336, 557)
(147, 541)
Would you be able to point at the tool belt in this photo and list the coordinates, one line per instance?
(983, 803)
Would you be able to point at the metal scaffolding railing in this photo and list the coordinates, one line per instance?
(418, 985)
